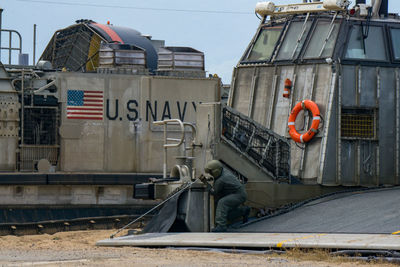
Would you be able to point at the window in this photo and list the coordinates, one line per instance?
(358, 123)
(323, 40)
(395, 34)
(366, 43)
(294, 40)
(265, 44)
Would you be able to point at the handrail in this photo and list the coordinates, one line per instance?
(194, 134)
(172, 122)
(180, 141)
(260, 145)
(10, 48)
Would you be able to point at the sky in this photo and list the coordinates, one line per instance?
(221, 29)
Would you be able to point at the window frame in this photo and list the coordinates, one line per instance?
(390, 40)
(308, 42)
(244, 59)
(360, 60)
(313, 20)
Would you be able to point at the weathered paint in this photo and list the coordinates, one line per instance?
(125, 140)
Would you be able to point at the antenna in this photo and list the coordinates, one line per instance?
(383, 11)
(34, 45)
(268, 8)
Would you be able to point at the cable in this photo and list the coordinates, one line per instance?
(208, 133)
(258, 16)
(366, 30)
(138, 8)
(301, 147)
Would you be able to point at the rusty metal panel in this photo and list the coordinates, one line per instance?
(311, 160)
(311, 82)
(368, 163)
(263, 94)
(121, 124)
(319, 84)
(348, 162)
(330, 171)
(349, 76)
(397, 125)
(164, 98)
(124, 139)
(322, 87)
(241, 95)
(387, 126)
(303, 88)
(367, 89)
(282, 104)
(9, 122)
(87, 152)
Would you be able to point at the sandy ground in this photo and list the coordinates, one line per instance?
(78, 249)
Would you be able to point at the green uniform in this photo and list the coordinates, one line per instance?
(231, 194)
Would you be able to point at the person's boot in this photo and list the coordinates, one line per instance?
(246, 215)
(219, 229)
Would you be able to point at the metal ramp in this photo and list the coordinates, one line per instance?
(369, 211)
(265, 149)
(359, 220)
(258, 241)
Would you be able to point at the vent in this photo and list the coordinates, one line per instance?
(122, 55)
(181, 62)
(40, 126)
(40, 137)
(358, 123)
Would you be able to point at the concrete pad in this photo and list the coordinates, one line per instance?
(259, 240)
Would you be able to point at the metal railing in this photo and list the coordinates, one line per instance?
(10, 47)
(177, 142)
(263, 147)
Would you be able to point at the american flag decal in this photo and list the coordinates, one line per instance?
(85, 105)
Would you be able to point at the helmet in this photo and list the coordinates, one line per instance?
(214, 167)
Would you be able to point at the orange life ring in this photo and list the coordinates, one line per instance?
(296, 136)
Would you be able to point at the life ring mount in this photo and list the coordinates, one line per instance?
(306, 137)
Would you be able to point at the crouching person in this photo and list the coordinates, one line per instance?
(230, 193)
